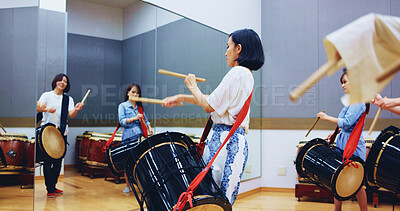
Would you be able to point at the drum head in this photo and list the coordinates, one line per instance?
(350, 179)
(53, 142)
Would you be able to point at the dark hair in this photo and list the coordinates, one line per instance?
(59, 77)
(252, 54)
(138, 90)
(344, 73)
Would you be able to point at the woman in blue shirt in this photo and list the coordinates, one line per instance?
(346, 121)
(130, 118)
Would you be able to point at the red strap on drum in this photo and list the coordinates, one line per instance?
(187, 196)
(352, 143)
(142, 123)
(111, 139)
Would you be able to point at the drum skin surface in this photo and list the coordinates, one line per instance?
(162, 167)
(383, 161)
(323, 165)
(50, 144)
(53, 142)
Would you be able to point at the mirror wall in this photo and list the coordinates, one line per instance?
(18, 59)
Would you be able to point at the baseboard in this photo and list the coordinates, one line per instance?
(264, 189)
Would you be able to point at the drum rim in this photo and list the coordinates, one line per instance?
(336, 175)
(303, 152)
(197, 201)
(40, 143)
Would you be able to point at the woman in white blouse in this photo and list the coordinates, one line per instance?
(244, 54)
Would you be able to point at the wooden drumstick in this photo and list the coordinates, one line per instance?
(179, 75)
(148, 131)
(149, 100)
(313, 125)
(378, 113)
(3, 128)
(84, 98)
(55, 119)
(391, 70)
(328, 67)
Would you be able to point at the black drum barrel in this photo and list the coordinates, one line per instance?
(323, 165)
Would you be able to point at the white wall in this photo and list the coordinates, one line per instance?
(141, 17)
(225, 15)
(279, 149)
(94, 20)
(55, 5)
(18, 3)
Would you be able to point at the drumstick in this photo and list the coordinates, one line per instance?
(326, 68)
(375, 120)
(3, 128)
(313, 125)
(55, 119)
(149, 100)
(179, 75)
(84, 98)
(148, 131)
(391, 70)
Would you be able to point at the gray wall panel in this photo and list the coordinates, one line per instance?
(6, 61)
(95, 64)
(147, 71)
(290, 38)
(24, 51)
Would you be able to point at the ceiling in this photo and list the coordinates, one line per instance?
(113, 3)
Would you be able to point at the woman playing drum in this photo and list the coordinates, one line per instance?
(346, 121)
(244, 54)
(130, 117)
(50, 103)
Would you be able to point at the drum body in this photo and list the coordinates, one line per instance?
(323, 165)
(50, 144)
(14, 149)
(117, 155)
(383, 161)
(96, 157)
(162, 167)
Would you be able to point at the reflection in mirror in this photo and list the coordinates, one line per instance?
(18, 59)
(110, 45)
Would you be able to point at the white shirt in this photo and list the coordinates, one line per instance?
(229, 97)
(51, 99)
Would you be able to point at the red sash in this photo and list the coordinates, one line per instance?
(352, 143)
(187, 196)
(142, 121)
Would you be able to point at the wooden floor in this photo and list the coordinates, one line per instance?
(83, 193)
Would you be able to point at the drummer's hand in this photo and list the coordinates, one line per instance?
(190, 81)
(151, 131)
(171, 101)
(389, 103)
(40, 105)
(51, 110)
(79, 106)
(322, 115)
(377, 100)
(139, 116)
(329, 136)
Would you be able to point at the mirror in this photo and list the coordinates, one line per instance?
(18, 58)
